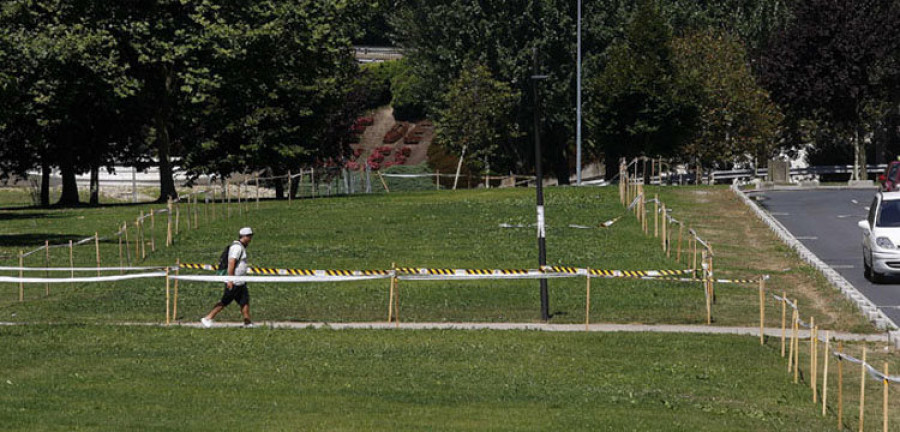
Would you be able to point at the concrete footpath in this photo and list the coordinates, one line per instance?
(598, 328)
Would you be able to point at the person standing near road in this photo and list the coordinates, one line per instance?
(235, 264)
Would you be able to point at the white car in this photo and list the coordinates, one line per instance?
(881, 237)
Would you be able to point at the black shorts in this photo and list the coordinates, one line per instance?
(239, 293)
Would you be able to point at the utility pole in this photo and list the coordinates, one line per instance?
(541, 232)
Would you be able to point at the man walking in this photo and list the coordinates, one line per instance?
(235, 291)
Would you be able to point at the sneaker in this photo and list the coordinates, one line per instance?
(249, 325)
(206, 322)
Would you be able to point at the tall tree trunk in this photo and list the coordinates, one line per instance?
(45, 181)
(69, 196)
(166, 181)
(279, 188)
(95, 185)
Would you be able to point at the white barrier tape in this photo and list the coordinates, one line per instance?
(634, 202)
(874, 373)
(294, 279)
(83, 269)
(5, 279)
(786, 300)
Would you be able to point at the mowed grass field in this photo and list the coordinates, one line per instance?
(424, 229)
(137, 378)
(74, 367)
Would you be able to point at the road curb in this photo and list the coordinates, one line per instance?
(871, 312)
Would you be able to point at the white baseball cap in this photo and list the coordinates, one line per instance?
(246, 231)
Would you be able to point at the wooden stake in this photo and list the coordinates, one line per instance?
(862, 390)
(587, 303)
(812, 356)
(783, 320)
(694, 241)
(152, 231)
(680, 232)
(72, 257)
(396, 301)
(175, 300)
(884, 403)
(762, 310)
(97, 249)
(127, 244)
(177, 217)
(240, 206)
(196, 214)
(167, 296)
(814, 370)
(791, 342)
(383, 183)
(121, 257)
(825, 373)
(797, 348)
(47, 264)
(190, 211)
(290, 186)
(143, 239)
(840, 386)
(656, 216)
(706, 290)
(21, 275)
(227, 201)
(257, 191)
(169, 238)
(391, 293)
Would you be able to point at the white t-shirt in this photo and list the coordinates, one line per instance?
(238, 252)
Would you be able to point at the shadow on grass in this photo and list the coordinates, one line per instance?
(37, 239)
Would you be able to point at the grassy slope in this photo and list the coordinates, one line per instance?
(115, 378)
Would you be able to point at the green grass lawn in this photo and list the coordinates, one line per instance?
(85, 376)
(127, 378)
(423, 229)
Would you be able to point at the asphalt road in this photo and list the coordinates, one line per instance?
(825, 221)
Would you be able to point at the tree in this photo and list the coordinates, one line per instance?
(477, 122)
(64, 82)
(639, 105)
(831, 63)
(736, 119)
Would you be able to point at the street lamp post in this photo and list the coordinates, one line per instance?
(539, 180)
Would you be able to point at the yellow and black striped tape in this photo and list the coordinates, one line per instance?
(441, 271)
(479, 271)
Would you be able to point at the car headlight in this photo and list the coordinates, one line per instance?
(884, 242)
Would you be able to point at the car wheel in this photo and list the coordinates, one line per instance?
(867, 270)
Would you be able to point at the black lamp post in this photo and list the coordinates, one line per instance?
(541, 232)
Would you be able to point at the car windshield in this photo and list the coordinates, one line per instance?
(889, 216)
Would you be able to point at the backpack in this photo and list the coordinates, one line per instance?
(222, 268)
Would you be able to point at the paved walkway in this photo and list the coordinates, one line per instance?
(600, 328)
